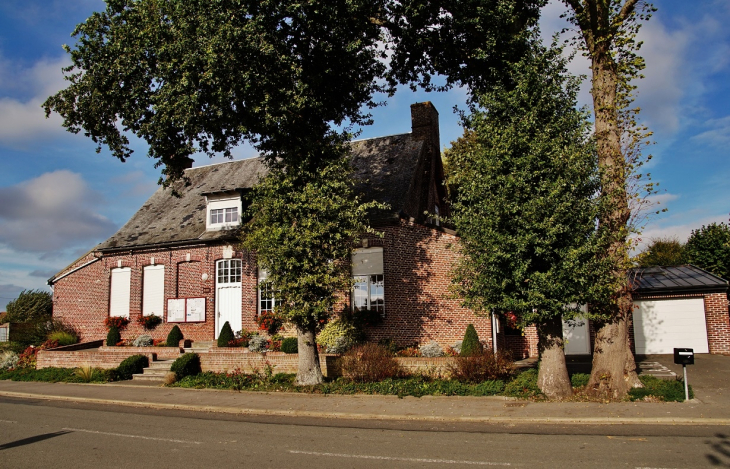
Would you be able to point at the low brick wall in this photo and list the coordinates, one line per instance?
(224, 359)
(162, 353)
(106, 360)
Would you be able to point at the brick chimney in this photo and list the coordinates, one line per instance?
(425, 125)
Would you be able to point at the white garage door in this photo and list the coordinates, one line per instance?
(660, 326)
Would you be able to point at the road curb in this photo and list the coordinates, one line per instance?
(388, 417)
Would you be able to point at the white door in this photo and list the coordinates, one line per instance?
(228, 295)
(120, 291)
(577, 337)
(662, 325)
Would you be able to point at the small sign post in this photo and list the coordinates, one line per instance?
(684, 357)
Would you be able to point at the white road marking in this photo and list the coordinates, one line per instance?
(8, 421)
(132, 436)
(391, 458)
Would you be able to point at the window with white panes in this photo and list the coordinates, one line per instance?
(369, 280)
(229, 271)
(267, 299)
(224, 215)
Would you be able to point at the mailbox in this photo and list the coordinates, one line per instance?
(684, 356)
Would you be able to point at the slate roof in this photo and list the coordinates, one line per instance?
(385, 168)
(676, 279)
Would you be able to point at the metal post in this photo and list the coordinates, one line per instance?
(686, 386)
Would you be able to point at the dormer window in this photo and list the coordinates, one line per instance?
(224, 210)
(224, 215)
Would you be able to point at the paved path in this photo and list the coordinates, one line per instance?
(709, 377)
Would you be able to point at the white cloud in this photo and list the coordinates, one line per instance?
(51, 212)
(22, 120)
(681, 230)
(718, 135)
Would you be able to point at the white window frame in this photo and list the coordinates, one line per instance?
(153, 292)
(228, 204)
(120, 291)
(231, 273)
(368, 273)
(267, 297)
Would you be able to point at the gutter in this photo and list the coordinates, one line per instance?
(53, 280)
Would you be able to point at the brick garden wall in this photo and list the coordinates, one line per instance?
(718, 323)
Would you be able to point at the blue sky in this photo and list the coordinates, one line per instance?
(58, 198)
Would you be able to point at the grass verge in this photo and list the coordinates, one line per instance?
(55, 375)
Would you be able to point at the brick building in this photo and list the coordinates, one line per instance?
(178, 257)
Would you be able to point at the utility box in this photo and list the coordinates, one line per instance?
(684, 356)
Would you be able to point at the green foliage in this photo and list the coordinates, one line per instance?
(416, 386)
(663, 389)
(290, 345)
(526, 203)
(174, 337)
(663, 252)
(187, 77)
(63, 337)
(709, 249)
(226, 335)
(478, 367)
(55, 375)
(187, 365)
(113, 337)
(369, 363)
(338, 336)
(579, 380)
(471, 345)
(132, 366)
(86, 373)
(30, 306)
(523, 386)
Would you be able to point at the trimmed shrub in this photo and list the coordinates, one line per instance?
(258, 343)
(174, 337)
(524, 385)
(431, 350)
(113, 337)
(482, 367)
(457, 347)
(143, 341)
(226, 335)
(290, 345)
(133, 365)
(338, 336)
(63, 338)
(471, 345)
(186, 365)
(370, 362)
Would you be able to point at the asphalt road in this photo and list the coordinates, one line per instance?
(54, 434)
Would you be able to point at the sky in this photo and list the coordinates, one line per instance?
(59, 198)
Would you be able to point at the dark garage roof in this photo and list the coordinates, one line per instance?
(676, 279)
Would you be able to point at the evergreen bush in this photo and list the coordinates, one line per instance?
(186, 365)
(432, 349)
(132, 366)
(226, 335)
(174, 337)
(258, 343)
(143, 341)
(113, 337)
(290, 345)
(338, 336)
(471, 346)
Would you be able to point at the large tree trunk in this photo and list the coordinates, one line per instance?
(552, 379)
(614, 369)
(309, 372)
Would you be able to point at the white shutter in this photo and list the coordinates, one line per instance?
(662, 325)
(119, 296)
(153, 290)
(367, 261)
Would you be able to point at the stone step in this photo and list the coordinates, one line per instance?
(143, 377)
(161, 365)
(156, 371)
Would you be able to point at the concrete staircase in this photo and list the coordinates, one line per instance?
(155, 372)
(200, 346)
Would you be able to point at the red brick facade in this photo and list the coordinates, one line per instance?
(718, 323)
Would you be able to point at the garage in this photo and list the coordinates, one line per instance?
(671, 310)
(662, 325)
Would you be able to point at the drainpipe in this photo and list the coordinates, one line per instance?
(495, 331)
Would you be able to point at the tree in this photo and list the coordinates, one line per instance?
(663, 252)
(526, 206)
(709, 249)
(304, 227)
(30, 306)
(607, 33)
(199, 76)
